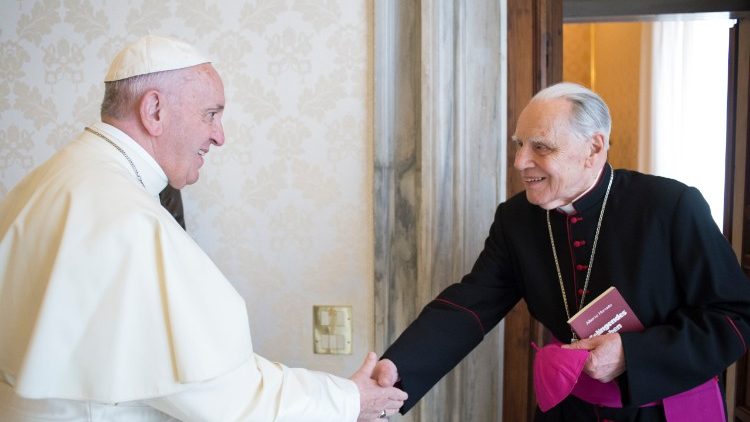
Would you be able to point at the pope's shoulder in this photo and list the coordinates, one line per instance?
(80, 179)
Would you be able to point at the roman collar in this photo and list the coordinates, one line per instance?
(593, 197)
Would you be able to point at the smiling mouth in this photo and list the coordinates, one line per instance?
(202, 152)
(533, 179)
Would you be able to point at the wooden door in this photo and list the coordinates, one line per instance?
(534, 62)
(737, 194)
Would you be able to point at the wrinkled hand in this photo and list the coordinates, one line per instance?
(373, 398)
(607, 358)
(385, 373)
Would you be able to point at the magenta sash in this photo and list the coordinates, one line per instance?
(559, 372)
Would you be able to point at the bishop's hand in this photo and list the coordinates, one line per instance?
(607, 358)
(385, 373)
(376, 401)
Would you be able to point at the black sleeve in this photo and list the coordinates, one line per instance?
(710, 329)
(450, 326)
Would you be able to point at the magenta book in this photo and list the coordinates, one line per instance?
(608, 313)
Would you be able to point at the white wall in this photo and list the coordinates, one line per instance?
(285, 207)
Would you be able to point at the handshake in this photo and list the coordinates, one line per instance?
(378, 398)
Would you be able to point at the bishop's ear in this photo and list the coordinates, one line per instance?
(151, 111)
(597, 148)
(598, 144)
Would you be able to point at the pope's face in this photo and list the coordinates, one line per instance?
(554, 162)
(194, 125)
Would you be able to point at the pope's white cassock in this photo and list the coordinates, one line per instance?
(110, 311)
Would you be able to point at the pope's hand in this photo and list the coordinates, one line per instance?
(607, 358)
(373, 398)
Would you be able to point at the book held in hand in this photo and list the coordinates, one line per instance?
(608, 313)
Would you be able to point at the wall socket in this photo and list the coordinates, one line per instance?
(332, 329)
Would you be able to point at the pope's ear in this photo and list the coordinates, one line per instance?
(151, 111)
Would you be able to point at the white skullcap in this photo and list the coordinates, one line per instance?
(153, 54)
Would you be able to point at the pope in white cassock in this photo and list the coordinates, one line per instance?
(108, 309)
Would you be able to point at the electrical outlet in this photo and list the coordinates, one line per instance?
(332, 329)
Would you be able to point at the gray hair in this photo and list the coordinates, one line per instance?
(590, 113)
(120, 96)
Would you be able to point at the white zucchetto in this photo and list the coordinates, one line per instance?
(152, 54)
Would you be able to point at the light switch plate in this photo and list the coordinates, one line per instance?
(332, 329)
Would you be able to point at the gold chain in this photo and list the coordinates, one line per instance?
(122, 151)
(591, 260)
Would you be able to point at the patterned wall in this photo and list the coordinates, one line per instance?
(285, 207)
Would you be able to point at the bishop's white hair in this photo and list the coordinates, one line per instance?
(589, 114)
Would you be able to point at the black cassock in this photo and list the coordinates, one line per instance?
(658, 245)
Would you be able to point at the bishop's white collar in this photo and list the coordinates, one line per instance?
(569, 208)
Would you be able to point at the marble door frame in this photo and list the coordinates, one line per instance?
(439, 172)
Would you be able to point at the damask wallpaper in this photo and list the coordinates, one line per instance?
(285, 206)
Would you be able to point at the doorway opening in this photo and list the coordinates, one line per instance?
(665, 82)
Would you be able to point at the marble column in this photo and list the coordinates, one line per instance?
(439, 173)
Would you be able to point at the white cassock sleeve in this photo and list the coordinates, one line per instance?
(265, 391)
